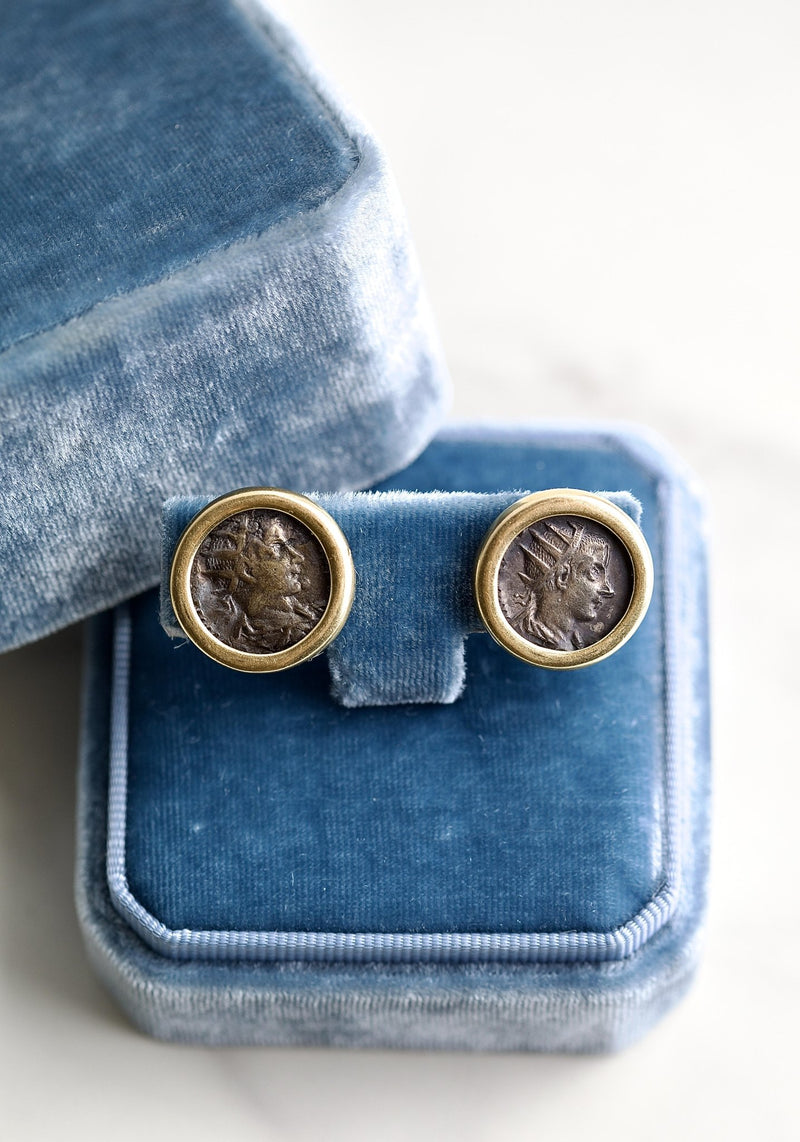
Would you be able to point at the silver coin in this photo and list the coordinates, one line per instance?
(260, 581)
(565, 582)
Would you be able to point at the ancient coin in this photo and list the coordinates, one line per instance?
(565, 582)
(260, 581)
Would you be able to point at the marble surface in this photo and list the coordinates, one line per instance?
(604, 199)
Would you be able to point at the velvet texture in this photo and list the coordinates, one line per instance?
(523, 867)
(206, 282)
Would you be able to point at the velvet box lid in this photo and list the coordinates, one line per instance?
(206, 282)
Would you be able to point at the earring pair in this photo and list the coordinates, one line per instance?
(262, 579)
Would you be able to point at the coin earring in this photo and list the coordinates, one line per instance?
(262, 579)
(563, 578)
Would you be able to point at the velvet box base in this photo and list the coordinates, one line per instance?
(522, 868)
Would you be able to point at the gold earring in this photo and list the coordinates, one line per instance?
(563, 578)
(262, 579)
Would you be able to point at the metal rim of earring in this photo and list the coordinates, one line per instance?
(537, 509)
(307, 515)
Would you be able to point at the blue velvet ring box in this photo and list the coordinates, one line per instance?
(518, 863)
(206, 282)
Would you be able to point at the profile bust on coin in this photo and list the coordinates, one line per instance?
(262, 579)
(259, 582)
(565, 583)
(563, 578)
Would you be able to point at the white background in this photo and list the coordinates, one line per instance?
(605, 198)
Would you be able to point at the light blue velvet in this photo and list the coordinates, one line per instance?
(205, 281)
(523, 867)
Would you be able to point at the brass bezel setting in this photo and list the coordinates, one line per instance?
(530, 510)
(340, 563)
